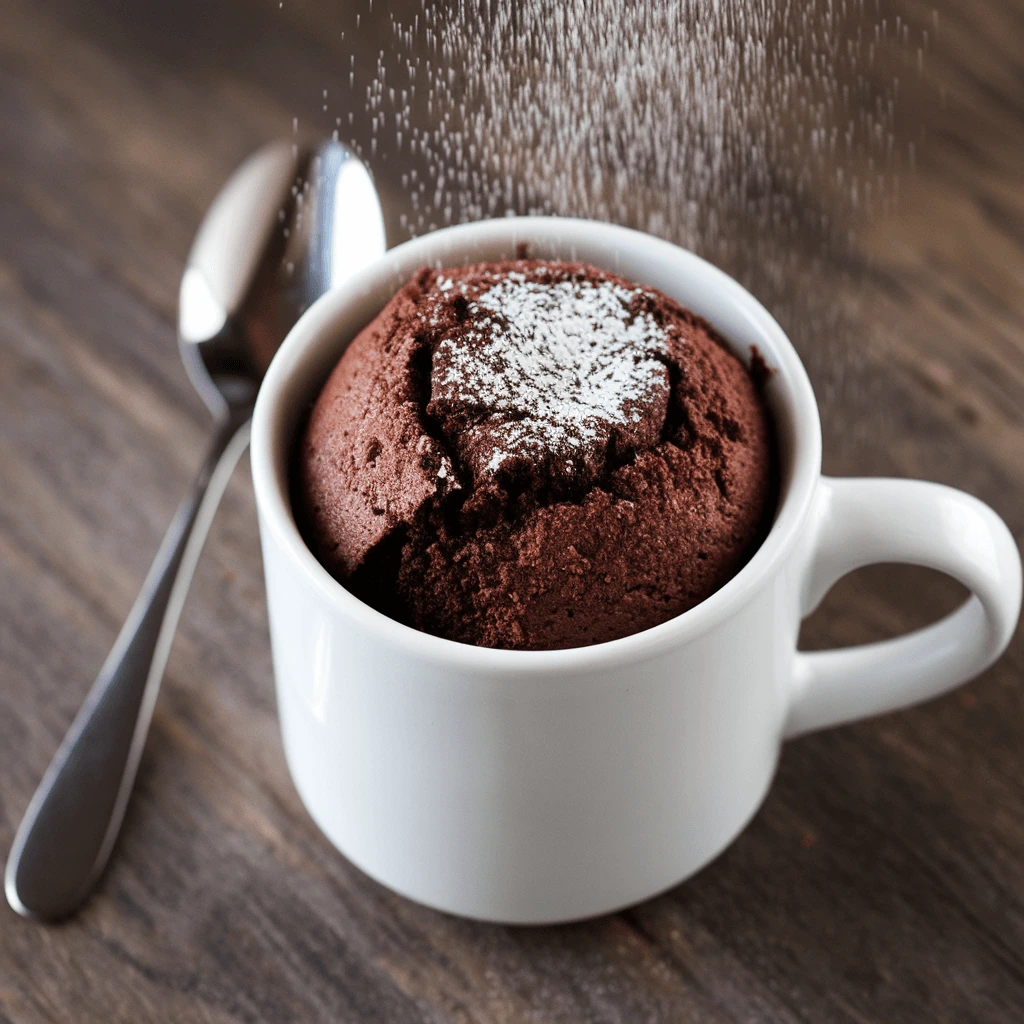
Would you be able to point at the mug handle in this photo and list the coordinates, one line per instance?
(865, 521)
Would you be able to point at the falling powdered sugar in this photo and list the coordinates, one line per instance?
(765, 135)
(551, 373)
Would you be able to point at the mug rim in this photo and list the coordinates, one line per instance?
(792, 399)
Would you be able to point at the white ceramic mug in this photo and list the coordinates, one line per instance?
(543, 786)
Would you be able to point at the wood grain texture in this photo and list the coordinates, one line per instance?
(884, 878)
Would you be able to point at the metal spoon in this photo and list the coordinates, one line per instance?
(290, 224)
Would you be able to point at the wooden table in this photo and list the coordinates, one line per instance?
(884, 878)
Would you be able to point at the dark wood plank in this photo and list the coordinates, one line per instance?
(884, 878)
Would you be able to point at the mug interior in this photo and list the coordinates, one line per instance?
(318, 340)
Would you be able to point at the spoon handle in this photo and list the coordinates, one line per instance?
(72, 821)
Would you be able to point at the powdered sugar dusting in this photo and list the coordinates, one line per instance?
(553, 368)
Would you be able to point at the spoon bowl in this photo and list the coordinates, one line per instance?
(296, 223)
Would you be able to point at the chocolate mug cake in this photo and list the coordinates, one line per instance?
(533, 455)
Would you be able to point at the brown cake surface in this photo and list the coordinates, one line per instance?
(533, 455)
